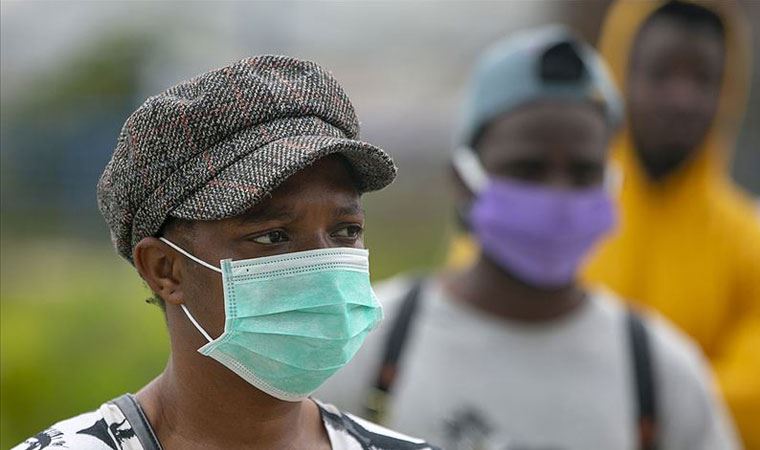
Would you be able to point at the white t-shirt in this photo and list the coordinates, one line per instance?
(108, 428)
(469, 380)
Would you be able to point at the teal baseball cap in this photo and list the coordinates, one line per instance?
(546, 63)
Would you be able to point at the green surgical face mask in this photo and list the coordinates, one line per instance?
(292, 320)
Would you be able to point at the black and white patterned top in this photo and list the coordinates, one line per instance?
(121, 425)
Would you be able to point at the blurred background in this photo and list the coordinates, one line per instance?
(74, 327)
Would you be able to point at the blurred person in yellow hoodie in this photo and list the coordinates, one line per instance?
(688, 243)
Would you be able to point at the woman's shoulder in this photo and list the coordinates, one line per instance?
(105, 428)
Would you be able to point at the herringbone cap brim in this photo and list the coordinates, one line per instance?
(218, 144)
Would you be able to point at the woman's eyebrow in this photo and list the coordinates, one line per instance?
(349, 210)
(269, 213)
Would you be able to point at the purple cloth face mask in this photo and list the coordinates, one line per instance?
(539, 234)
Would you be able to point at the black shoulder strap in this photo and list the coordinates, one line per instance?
(394, 348)
(645, 384)
(136, 418)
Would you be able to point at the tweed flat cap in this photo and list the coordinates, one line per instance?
(216, 145)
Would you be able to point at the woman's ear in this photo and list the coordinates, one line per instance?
(160, 267)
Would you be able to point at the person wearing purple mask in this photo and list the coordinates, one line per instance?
(510, 350)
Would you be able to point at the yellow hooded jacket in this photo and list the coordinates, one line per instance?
(689, 246)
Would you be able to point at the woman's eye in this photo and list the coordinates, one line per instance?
(351, 232)
(273, 237)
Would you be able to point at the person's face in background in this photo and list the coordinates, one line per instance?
(555, 144)
(537, 226)
(673, 87)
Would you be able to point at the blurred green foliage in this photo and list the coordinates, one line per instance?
(107, 70)
(74, 332)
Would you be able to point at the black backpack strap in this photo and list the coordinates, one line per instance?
(394, 348)
(643, 369)
(136, 418)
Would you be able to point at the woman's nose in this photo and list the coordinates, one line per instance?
(315, 241)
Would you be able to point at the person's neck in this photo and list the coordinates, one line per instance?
(200, 404)
(489, 288)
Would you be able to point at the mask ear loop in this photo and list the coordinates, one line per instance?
(201, 262)
(179, 249)
(197, 325)
(468, 166)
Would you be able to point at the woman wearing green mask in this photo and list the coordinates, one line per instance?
(236, 196)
